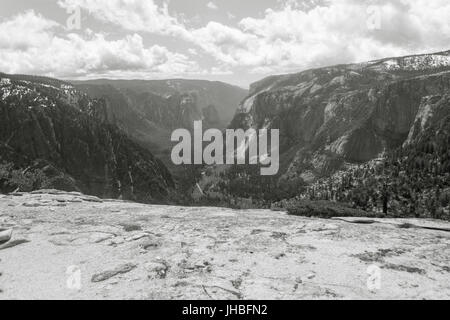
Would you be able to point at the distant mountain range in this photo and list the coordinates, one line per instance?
(148, 111)
(198, 95)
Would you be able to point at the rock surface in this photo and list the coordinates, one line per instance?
(432, 110)
(123, 250)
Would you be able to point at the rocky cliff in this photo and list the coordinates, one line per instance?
(46, 123)
(343, 114)
(432, 110)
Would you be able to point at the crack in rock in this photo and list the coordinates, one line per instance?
(105, 275)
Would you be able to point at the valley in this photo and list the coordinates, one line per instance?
(331, 121)
(334, 119)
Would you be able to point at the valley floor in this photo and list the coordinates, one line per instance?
(122, 250)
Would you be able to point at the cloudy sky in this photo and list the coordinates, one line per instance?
(236, 41)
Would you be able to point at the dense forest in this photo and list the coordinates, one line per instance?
(411, 181)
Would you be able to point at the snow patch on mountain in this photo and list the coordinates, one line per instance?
(417, 63)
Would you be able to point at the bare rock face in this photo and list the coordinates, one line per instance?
(49, 124)
(72, 246)
(432, 110)
(346, 113)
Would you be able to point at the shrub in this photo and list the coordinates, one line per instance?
(27, 181)
(61, 182)
(323, 209)
(22, 180)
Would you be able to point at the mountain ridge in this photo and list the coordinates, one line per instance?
(328, 96)
(223, 96)
(271, 77)
(50, 128)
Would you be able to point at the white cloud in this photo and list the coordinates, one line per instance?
(231, 16)
(211, 5)
(193, 51)
(25, 31)
(294, 36)
(338, 32)
(221, 70)
(132, 15)
(30, 44)
(289, 38)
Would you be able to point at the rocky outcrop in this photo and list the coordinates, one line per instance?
(343, 114)
(432, 110)
(159, 252)
(44, 120)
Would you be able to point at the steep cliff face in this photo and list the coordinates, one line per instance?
(432, 110)
(413, 180)
(47, 120)
(347, 113)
